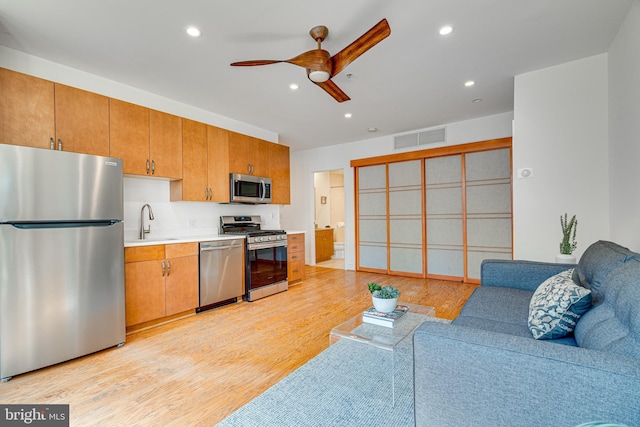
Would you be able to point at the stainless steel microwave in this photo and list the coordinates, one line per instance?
(249, 189)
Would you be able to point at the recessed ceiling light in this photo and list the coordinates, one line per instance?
(475, 101)
(447, 29)
(193, 32)
(469, 83)
(293, 86)
(348, 115)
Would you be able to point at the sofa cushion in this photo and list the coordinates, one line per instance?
(556, 306)
(614, 325)
(596, 263)
(507, 305)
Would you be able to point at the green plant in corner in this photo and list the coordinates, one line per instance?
(569, 229)
(384, 292)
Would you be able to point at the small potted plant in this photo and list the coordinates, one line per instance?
(385, 298)
(568, 243)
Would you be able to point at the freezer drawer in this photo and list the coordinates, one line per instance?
(61, 294)
(221, 269)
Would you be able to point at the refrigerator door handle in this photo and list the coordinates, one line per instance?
(62, 224)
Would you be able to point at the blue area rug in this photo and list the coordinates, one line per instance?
(342, 386)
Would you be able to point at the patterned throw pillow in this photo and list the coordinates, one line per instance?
(556, 306)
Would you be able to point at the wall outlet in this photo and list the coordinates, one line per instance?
(525, 173)
(192, 223)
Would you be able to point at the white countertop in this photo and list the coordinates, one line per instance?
(152, 240)
(160, 240)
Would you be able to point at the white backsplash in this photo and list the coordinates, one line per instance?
(182, 218)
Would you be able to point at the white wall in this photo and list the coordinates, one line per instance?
(624, 132)
(299, 215)
(561, 131)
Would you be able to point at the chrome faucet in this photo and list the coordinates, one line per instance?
(143, 230)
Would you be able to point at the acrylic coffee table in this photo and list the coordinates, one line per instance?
(391, 341)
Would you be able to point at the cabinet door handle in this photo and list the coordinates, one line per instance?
(52, 144)
(210, 193)
(59, 144)
(153, 167)
(168, 268)
(162, 263)
(148, 166)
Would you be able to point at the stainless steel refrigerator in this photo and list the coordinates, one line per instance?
(61, 257)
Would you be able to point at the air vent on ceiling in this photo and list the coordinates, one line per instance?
(420, 138)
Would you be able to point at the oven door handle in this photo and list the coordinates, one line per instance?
(266, 245)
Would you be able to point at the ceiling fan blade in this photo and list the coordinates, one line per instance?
(254, 63)
(332, 89)
(316, 59)
(346, 56)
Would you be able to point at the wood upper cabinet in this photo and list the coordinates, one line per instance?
(279, 174)
(194, 185)
(165, 144)
(27, 115)
(36, 112)
(219, 168)
(205, 159)
(82, 121)
(129, 130)
(148, 141)
(248, 155)
(160, 280)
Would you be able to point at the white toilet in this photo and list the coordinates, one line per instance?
(338, 244)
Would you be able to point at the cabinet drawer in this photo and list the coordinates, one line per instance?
(297, 238)
(144, 253)
(176, 250)
(295, 271)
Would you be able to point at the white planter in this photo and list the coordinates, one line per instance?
(565, 259)
(385, 305)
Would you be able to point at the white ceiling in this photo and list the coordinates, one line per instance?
(412, 80)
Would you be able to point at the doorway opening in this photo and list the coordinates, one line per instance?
(329, 218)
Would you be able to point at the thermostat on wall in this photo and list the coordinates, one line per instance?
(525, 173)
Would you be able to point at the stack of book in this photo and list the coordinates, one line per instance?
(384, 319)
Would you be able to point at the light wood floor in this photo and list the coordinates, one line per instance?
(197, 370)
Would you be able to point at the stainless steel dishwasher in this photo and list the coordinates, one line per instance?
(221, 268)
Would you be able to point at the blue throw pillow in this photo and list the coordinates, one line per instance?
(556, 306)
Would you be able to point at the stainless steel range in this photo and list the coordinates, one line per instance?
(265, 255)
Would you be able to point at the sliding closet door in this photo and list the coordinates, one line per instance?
(372, 217)
(445, 243)
(405, 217)
(488, 207)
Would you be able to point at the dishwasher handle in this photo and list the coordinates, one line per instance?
(215, 246)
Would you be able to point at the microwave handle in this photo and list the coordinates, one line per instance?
(263, 189)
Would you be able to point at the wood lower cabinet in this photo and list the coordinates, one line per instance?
(295, 258)
(324, 244)
(160, 281)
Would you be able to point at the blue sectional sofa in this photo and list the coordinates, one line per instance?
(486, 368)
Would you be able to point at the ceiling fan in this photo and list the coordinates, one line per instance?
(321, 66)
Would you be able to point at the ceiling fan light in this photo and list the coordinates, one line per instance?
(319, 76)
